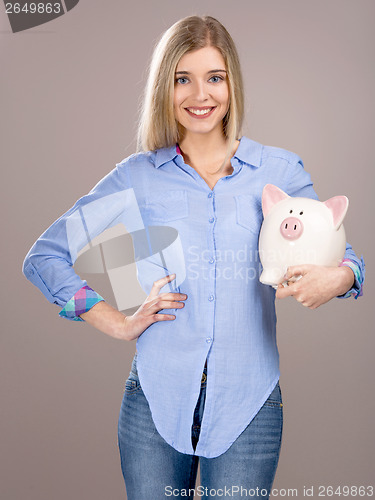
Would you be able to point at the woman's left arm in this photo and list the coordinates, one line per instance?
(319, 284)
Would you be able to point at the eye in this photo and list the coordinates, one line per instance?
(216, 79)
(290, 211)
(183, 80)
(301, 213)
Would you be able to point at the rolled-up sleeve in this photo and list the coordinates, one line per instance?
(81, 302)
(358, 268)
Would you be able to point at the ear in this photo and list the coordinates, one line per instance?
(271, 196)
(338, 206)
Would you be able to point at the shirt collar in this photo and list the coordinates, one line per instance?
(248, 151)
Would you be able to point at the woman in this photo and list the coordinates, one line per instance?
(204, 381)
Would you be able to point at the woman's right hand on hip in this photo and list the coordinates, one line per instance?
(147, 314)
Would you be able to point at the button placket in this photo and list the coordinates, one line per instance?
(212, 261)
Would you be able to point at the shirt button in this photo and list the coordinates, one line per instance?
(211, 261)
(211, 297)
(31, 272)
(211, 219)
(210, 195)
(208, 340)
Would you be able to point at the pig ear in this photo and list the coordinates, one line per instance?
(338, 206)
(270, 196)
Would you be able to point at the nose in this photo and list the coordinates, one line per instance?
(291, 228)
(200, 91)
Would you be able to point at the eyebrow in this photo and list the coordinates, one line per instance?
(212, 71)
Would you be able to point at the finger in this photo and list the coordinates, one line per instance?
(314, 306)
(157, 305)
(164, 317)
(296, 270)
(158, 284)
(173, 296)
(283, 292)
(311, 304)
(294, 278)
(170, 304)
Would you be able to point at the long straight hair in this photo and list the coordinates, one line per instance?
(158, 127)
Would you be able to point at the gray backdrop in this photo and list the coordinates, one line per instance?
(69, 99)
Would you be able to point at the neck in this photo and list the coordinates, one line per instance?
(204, 148)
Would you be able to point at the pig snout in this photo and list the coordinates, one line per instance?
(291, 228)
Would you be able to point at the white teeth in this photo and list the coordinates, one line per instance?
(199, 111)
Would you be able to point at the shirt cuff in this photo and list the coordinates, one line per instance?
(81, 302)
(357, 289)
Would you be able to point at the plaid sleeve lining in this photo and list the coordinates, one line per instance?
(82, 301)
(357, 289)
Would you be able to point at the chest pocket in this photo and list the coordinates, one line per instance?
(249, 212)
(166, 206)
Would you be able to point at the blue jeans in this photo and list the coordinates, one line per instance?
(154, 470)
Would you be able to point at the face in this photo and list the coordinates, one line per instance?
(201, 92)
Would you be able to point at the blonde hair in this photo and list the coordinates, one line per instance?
(158, 127)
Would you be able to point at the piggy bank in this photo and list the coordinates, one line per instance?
(299, 231)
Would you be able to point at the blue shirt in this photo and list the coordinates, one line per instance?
(212, 246)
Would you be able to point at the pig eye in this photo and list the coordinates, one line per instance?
(301, 213)
(290, 211)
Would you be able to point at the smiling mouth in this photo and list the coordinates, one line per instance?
(200, 111)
